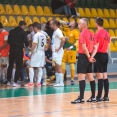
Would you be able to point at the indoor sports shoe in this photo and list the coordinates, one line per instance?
(44, 84)
(29, 85)
(78, 100)
(38, 84)
(105, 99)
(91, 100)
(16, 85)
(9, 83)
(99, 100)
(56, 85)
(61, 84)
(72, 82)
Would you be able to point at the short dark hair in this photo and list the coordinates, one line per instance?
(99, 21)
(1, 26)
(30, 25)
(21, 23)
(55, 22)
(37, 25)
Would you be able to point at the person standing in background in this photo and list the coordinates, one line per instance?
(4, 53)
(17, 39)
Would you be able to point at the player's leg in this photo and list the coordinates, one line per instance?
(44, 76)
(72, 69)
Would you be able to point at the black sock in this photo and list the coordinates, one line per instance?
(106, 87)
(100, 87)
(82, 88)
(92, 85)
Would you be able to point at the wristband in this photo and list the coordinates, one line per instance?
(71, 47)
(30, 53)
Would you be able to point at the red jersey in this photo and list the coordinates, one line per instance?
(4, 37)
(70, 1)
(103, 38)
(86, 37)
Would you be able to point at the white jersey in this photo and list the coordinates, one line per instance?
(40, 40)
(47, 36)
(56, 39)
(31, 35)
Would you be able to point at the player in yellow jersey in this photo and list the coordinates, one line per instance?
(70, 50)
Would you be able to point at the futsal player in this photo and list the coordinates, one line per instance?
(70, 50)
(57, 51)
(37, 54)
(87, 50)
(100, 66)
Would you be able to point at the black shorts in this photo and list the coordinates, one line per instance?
(83, 64)
(100, 66)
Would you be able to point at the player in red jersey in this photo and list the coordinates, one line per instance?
(100, 67)
(87, 50)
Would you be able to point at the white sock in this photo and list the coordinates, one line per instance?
(40, 73)
(57, 77)
(31, 74)
(44, 75)
(5, 72)
(35, 74)
(13, 73)
(60, 75)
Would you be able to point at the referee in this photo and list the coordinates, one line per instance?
(87, 50)
(100, 67)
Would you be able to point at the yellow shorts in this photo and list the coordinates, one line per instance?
(69, 56)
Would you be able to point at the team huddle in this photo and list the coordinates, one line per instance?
(92, 49)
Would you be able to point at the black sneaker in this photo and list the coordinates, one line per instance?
(105, 99)
(72, 82)
(91, 100)
(78, 100)
(99, 100)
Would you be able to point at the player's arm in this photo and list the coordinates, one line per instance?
(47, 60)
(5, 42)
(95, 47)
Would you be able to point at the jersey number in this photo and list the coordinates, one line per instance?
(42, 43)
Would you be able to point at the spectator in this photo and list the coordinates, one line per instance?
(71, 4)
(17, 38)
(59, 7)
(4, 52)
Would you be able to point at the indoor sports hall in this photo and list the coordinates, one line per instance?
(49, 101)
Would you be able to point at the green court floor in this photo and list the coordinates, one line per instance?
(30, 91)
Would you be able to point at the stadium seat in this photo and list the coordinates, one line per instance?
(4, 21)
(17, 10)
(28, 20)
(112, 23)
(93, 12)
(87, 12)
(81, 12)
(50, 18)
(65, 19)
(36, 19)
(2, 10)
(112, 47)
(106, 24)
(116, 12)
(12, 21)
(111, 32)
(19, 18)
(112, 13)
(43, 20)
(32, 10)
(106, 13)
(92, 23)
(8, 9)
(116, 32)
(47, 11)
(115, 46)
(71, 19)
(57, 18)
(100, 12)
(24, 10)
(39, 11)
(92, 31)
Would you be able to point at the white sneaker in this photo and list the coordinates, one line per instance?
(56, 85)
(44, 84)
(62, 84)
(9, 83)
(16, 85)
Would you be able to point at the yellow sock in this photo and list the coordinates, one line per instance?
(72, 67)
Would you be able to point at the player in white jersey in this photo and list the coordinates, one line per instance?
(37, 55)
(57, 51)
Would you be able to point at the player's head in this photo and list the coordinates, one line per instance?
(22, 24)
(54, 24)
(37, 26)
(73, 24)
(1, 27)
(99, 22)
(30, 27)
(83, 23)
